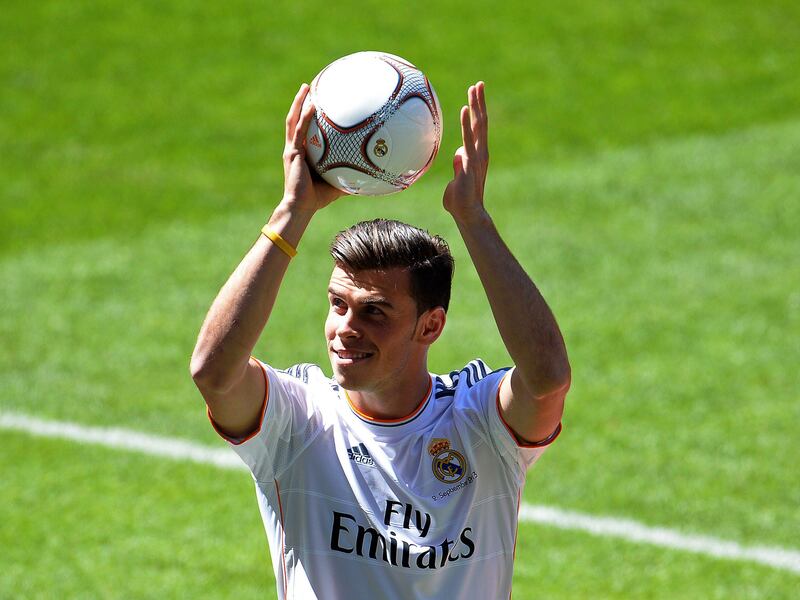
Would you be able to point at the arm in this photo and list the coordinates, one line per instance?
(230, 381)
(532, 399)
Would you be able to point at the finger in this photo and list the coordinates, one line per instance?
(301, 129)
(466, 131)
(474, 110)
(480, 123)
(480, 94)
(458, 163)
(294, 111)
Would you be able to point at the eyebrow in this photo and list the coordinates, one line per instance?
(369, 300)
(376, 300)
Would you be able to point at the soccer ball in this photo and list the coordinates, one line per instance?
(378, 124)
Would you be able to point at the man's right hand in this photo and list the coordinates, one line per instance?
(300, 187)
(231, 382)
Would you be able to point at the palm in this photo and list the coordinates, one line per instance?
(467, 184)
(299, 183)
(464, 194)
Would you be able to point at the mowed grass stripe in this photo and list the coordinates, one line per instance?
(628, 530)
(83, 522)
(669, 266)
(157, 105)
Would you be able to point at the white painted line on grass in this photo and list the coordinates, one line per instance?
(124, 439)
(779, 558)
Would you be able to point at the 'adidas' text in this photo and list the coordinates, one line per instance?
(360, 454)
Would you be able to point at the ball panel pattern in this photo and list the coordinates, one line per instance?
(350, 147)
(375, 81)
(357, 182)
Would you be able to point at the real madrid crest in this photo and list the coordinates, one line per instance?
(449, 466)
(380, 148)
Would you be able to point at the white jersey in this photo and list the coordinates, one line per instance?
(420, 507)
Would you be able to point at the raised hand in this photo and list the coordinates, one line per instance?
(299, 185)
(463, 196)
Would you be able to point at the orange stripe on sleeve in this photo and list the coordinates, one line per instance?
(257, 430)
(521, 442)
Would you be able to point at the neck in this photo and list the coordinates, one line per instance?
(396, 403)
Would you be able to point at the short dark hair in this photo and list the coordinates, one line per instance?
(384, 244)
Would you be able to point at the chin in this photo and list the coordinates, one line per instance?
(341, 378)
(347, 380)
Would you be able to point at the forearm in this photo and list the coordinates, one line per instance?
(525, 322)
(243, 306)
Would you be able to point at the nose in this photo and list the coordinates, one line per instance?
(346, 327)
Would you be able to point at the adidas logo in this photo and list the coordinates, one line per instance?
(314, 141)
(360, 454)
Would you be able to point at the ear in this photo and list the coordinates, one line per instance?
(430, 325)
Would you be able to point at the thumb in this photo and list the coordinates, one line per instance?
(301, 129)
(458, 162)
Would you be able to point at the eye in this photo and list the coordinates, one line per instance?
(338, 304)
(371, 309)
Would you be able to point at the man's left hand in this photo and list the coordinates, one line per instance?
(463, 197)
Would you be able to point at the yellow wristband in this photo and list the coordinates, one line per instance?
(281, 243)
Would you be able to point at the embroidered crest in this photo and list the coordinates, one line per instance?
(448, 465)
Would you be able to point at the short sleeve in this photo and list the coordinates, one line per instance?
(524, 453)
(477, 391)
(289, 422)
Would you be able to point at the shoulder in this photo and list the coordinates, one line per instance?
(474, 376)
(300, 393)
(303, 380)
(306, 373)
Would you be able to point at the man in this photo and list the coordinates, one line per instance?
(386, 481)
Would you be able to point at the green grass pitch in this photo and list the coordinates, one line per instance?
(645, 169)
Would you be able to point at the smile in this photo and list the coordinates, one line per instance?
(351, 355)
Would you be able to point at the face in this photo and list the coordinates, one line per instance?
(376, 341)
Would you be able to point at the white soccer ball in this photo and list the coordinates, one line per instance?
(378, 124)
